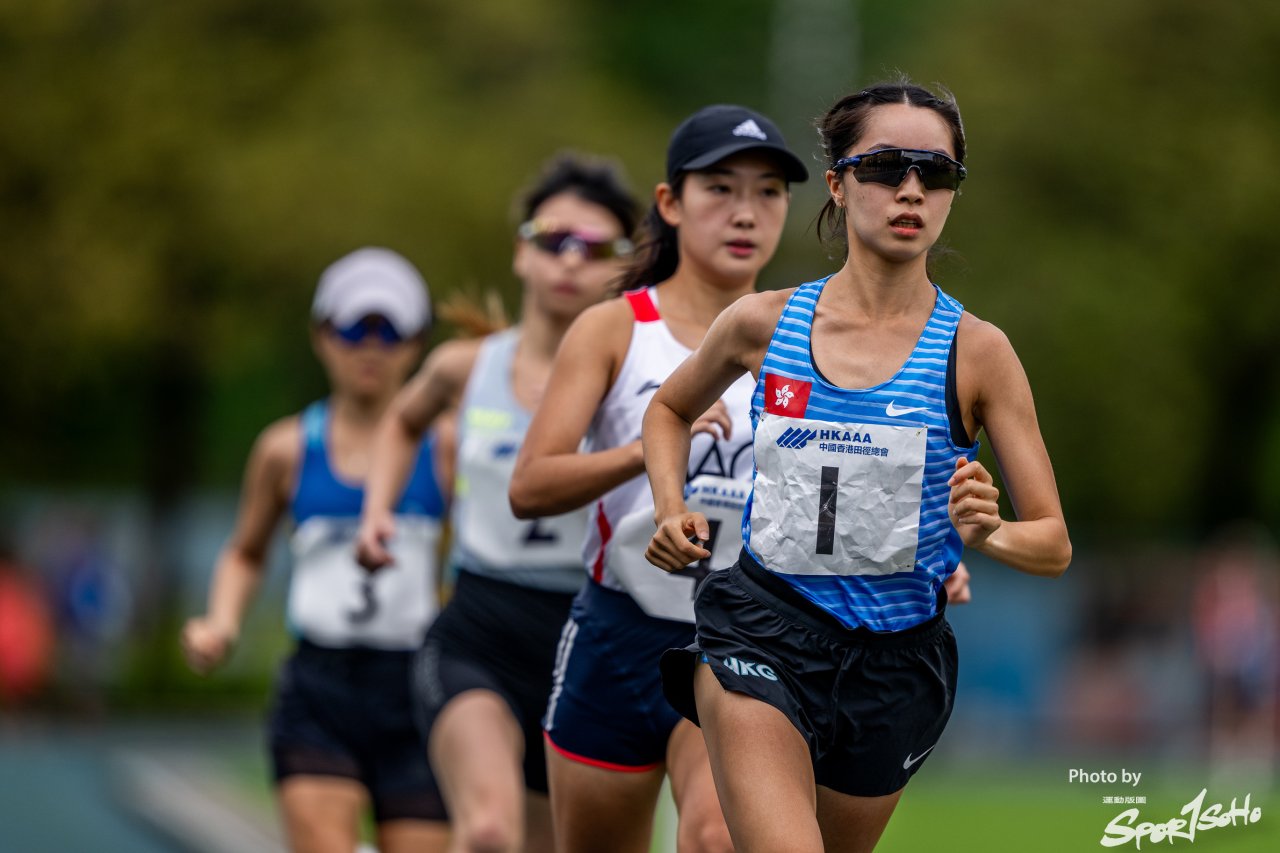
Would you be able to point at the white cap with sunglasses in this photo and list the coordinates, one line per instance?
(373, 281)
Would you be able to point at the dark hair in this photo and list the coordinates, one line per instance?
(590, 179)
(657, 251)
(846, 122)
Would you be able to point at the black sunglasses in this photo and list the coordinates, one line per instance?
(559, 241)
(890, 166)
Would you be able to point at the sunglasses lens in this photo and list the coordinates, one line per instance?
(890, 167)
(557, 242)
(551, 241)
(361, 329)
(882, 167)
(387, 333)
(939, 173)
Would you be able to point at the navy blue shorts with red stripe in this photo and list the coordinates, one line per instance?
(607, 708)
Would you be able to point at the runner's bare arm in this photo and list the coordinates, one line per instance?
(237, 574)
(551, 475)
(1036, 542)
(436, 388)
(735, 344)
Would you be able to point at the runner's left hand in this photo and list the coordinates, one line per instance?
(974, 505)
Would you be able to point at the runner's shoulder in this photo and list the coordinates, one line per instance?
(277, 452)
(605, 326)
(451, 362)
(980, 342)
(754, 317)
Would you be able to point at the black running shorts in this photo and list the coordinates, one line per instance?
(871, 706)
(500, 637)
(348, 713)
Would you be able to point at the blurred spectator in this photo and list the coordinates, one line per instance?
(26, 635)
(92, 600)
(1234, 609)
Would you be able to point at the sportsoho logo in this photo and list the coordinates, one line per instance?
(1196, 818)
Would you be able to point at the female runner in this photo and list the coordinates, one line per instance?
(829, 666)
(342, 731)
(611, 735)
(484, 673)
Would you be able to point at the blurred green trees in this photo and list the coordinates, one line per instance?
(174, 177)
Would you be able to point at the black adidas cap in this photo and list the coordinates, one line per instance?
(715, 132)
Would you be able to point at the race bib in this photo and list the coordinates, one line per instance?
(487, 529)
(334, 601)
(837, 498)
(670, 596)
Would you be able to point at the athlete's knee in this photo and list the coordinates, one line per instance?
(489, 833)
(703, 833)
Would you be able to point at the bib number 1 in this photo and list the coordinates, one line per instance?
(827, 495)
(837, 498)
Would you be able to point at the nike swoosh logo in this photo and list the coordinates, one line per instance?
(649, 386)
(906, 765)
(893, 411)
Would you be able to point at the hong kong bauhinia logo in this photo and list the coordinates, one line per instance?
(784, 395)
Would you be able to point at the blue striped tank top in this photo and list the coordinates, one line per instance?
(849, 495)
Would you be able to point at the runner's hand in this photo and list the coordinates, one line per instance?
(671, 548)
(958, 586)
(974, 504)
(205, 644)
(715, 422)
(371, 542)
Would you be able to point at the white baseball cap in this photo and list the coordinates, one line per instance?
(373, 281)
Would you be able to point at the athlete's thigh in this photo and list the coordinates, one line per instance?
(476, 749)
(702, 827)
(321, 813)
(413, 836)
(762, 769)
(853, 824)
(593, 809)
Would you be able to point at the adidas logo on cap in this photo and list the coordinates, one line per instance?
(749, 128)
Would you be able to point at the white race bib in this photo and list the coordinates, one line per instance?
(487, 529)
(837, 498)
(333, 601)
(670, 596)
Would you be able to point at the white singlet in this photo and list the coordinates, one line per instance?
(718, 479)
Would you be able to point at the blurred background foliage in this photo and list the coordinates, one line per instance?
(173, 178)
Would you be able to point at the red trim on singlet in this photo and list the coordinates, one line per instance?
(606, 533)
(642, 306)
(595, 762)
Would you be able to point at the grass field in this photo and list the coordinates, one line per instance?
(957, 807)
